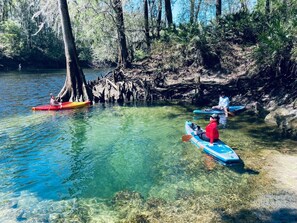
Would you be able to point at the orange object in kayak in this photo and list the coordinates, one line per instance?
(64, 105)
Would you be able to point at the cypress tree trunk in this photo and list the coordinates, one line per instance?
(168, 12)
(146, 25)
(123, 50)
(159, 18)
(218, 9)
(75, 87)
(192, 9)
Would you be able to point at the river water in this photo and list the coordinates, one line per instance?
(117, 163)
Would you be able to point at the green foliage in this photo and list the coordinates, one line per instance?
(239, 28)
(94, 29)
(140, 54)
(22, 40)
(196, 43)
(11, 40)
(94, 32)
(181, 34)
(275, 34)
(278, 39)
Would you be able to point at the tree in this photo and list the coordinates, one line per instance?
(267, 7)
(146, 25)
(75, 87)
(123, 50)
(197, 10)
(159, 18)
(168, 12)
(194, 10)
(218, 8)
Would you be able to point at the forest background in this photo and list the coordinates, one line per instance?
(258, 36)
(30, 31)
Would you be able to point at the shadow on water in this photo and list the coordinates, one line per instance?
(287, 215)
(260, 130)
(240, 168)
(267, 134)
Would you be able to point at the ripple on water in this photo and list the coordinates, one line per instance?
(105, 164)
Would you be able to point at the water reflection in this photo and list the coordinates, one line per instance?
(223, 121)
(28, 88)
(113, 164)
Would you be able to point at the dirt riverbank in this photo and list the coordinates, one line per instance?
(280, 204)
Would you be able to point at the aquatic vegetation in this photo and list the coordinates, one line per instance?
(127, 164)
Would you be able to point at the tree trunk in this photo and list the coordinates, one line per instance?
(75, 87)
(192, 9)
(123, 50)
(146, 25)
(267, 7)
(168, 12)
(159, 18)
(218, 9)
(197, 10)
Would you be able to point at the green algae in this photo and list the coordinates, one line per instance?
(129, 164)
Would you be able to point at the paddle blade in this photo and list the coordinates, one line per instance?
(231, 114)
(186, 138)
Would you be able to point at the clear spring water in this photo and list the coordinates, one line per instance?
(72, 165)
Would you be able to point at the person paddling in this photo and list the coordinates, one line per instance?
(53, 101)
(211, 133)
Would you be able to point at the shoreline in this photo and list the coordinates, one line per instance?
(283, 169)
(280, 203)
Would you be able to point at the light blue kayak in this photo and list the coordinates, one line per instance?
(220, 151)
(218, 111)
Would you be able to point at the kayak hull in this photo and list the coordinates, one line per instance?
(63, 106)
(220, 151)
(218, 111)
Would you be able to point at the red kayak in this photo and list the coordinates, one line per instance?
(64, 105)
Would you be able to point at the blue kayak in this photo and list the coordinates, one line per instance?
(220, 151)
(218, 111)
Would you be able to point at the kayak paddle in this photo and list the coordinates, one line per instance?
(186, 138)
(231, 114)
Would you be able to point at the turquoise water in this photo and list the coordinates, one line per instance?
(111, 163)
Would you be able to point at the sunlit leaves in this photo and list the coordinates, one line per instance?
(26, 32)
(10, 38)
(278, 39)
